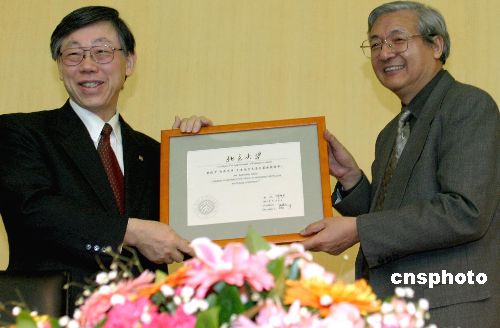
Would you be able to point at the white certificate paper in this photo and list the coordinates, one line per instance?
(244, 183)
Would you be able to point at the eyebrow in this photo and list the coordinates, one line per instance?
(397, 30)
(99, 40)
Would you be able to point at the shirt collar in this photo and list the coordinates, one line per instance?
(417, 103)
(94, 123)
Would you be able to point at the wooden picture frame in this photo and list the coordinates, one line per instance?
(304, 133)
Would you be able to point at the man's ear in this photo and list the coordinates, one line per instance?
(131, 59)
(59, 69)
(438, 46)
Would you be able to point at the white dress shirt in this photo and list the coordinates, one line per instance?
(94, 125)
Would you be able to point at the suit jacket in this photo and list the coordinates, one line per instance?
(441, 209)
(55, 199)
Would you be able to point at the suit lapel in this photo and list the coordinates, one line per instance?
(416, 142)
(77, 143)
(134, 168)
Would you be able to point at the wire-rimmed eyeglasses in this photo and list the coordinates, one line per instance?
(102, 54)
(395, 43)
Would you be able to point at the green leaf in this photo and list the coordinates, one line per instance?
(277, 268)
(208, 318)
(160, 275)
(229, 302)
(54, 323)
(24, 320)
(254, 242)
(159, 299)
(294, 271)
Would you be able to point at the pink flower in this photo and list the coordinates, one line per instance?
(233, 265)
(127, 314)
(313, 270)
(95, 307)
(273, 315)
(178, 320)
(290, 252)
(345, 315)
(143, 313)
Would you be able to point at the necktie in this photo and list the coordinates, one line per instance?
(111, 166)
(399, 144)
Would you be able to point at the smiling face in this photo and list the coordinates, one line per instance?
(405, 73)
(94, 86)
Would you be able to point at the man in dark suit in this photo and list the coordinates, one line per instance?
(60, 206)
(433, 204)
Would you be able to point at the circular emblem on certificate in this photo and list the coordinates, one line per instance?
(206, 206)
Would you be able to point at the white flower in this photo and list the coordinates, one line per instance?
(409, 292)
(419, 323)
(400, 292)
(255, 297)
(423, 304)
(177, 300)
(105, 290)
(112, 275)
(390, 320)
(411, 308)
(73, 324)
(387, 308)
(374, 320)
(186, 293)
(190, 307)
(102, 278)
(167, 291)
(77, 314)
(202, 305)
(33, 313)
(63, 321)
(16, 310)
(325, 300)
(117, 299)
(146, 318)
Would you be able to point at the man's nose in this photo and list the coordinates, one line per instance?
(386, 50)
(88, 61)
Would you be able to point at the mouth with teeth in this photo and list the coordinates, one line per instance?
(393, 68)
(90, 84)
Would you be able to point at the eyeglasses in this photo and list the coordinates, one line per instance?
(395, 43)
(100, 54)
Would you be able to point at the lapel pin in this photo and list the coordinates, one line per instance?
(141, 158)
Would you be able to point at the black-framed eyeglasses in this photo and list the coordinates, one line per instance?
(100, 54)
(395, 43)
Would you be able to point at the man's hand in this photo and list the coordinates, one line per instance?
(156, 241)
(331, 235)
(192, 124)
(341, 163)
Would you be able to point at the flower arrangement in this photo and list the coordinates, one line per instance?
(255, 284)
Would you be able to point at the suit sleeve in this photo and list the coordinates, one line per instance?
(43, 209)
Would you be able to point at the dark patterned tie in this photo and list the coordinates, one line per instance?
(397, 149)
(111, 167)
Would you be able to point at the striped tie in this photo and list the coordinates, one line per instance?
(399, 145)
(111, 166)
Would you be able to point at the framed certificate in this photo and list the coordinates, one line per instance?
(272, 176)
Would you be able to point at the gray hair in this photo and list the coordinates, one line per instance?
(430, 22)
